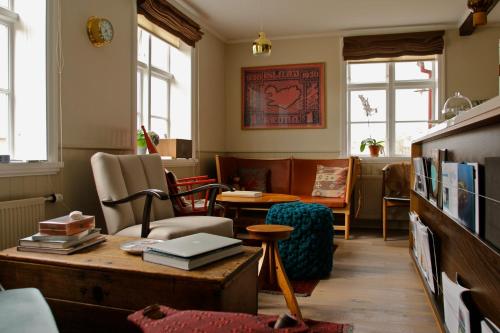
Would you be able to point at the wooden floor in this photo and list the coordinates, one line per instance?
(373, 286)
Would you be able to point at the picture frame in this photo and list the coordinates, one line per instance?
(283, 96)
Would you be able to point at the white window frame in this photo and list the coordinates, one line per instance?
(390, 86)
(53, 76)
(149, 71)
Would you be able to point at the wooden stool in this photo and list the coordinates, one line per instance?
(271, 271)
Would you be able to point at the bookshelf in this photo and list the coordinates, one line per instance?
(470, 137)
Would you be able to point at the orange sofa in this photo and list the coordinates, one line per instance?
(296, 176)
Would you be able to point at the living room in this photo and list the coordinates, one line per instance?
(93, 103)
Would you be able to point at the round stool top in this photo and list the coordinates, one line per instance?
(269, 231)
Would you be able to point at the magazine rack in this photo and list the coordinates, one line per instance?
(470, 137)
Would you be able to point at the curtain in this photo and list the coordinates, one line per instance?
(393, 45)
(167, 17)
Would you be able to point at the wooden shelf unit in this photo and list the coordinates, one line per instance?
(471, 137)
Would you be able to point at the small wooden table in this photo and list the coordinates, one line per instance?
(260, 203)
(94, 290)
(271, 270)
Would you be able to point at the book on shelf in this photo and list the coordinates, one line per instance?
(58, 244)
(192, 251)
(69, 250)
(450, 188)
(66, 226)
(420, 178)
(243, 194)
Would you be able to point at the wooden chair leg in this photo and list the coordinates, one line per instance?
(286, 287)
(347, 223)
(384, 220)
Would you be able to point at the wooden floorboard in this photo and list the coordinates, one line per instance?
(373, 287)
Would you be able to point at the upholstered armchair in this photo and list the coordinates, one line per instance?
(135, 200)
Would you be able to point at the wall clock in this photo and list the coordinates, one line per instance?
(100, 31)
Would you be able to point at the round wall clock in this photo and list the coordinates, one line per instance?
(100, 31)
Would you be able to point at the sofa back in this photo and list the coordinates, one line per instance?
(278, 180)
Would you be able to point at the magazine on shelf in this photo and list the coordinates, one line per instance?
(68, 250)
(58, 244)
(492, 207)
(424, 250)
(478, 189)
(487, 326)
(420, 181)
(466, 196)
(457, 306)
(192, 251)
(450, 188)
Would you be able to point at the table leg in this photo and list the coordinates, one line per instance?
(286, 287)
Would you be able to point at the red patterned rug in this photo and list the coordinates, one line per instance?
(301, 288)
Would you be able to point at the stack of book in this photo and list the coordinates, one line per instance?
(63, 235)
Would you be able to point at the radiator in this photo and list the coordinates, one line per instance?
(19, 218)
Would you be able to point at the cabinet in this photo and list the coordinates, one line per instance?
(470, 137)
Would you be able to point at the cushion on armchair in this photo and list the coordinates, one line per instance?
(253, 179)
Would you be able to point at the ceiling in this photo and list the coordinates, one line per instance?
(238, 20)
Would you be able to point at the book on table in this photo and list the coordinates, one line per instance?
(242, 194)
(192, 251)
(66, 226)
(31, 241)
(62, 238)
(69, 250)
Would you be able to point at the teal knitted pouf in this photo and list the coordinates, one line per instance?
(308, 253)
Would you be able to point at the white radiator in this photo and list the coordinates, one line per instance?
(19, 218)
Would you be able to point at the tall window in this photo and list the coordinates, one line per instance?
(163, 86)
(24, 79)
(402, 98)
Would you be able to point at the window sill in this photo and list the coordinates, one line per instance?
(178, 163)
(30, 169)
(383, 159)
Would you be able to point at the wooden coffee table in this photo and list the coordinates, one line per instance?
(260, 203)
(94, 290)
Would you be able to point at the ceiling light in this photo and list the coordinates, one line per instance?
(479, 11)
(262, 45)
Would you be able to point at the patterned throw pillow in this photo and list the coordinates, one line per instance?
(330, 182)
(253, 179)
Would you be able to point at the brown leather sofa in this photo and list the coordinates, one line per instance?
(296, 177)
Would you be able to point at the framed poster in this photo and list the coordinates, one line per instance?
(285, 96)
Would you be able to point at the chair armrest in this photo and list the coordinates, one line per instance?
(150, 194)
(213, 188)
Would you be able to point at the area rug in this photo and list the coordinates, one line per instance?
(301, 288)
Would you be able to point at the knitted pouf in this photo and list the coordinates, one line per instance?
(308, 253)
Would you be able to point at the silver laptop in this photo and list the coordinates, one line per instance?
(193, 245)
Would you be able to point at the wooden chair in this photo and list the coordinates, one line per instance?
(192, 204)
(395, 189)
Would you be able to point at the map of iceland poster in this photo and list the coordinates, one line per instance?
(286, 96)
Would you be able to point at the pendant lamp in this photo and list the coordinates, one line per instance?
(262, 45)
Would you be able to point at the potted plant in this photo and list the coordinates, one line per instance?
(141, 141)
(375, 146)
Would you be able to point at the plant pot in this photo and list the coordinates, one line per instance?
(141, 150)
(374, 150)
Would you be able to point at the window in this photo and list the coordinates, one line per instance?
(25, 83)
(400, 99)
(163, 86)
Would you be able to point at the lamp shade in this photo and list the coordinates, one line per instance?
(262, 45)
(479, 11)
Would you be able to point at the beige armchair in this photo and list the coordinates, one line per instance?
(126, 186)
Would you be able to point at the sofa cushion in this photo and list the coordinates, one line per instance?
(328, 202)
(330, 182)
(278, 180)
(304, 173)
(254, 179)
